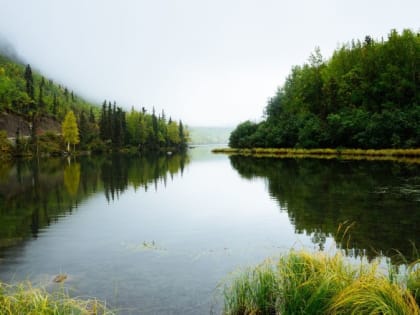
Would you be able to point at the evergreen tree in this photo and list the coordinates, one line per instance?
(41, 103)
(66, 94)
(29, 82)
(182, 135)
(103, 122)
(55, 104)
(83, 129)
(91, 116)
(173, 133)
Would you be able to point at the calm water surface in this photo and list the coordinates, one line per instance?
(160, 235)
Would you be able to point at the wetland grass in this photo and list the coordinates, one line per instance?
(399, 155)
(318, 283)
(23, 298)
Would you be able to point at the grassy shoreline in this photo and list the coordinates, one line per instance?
(400, 155)
(301, 282)
(23, 298)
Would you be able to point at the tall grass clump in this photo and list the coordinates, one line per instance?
(413, 280)
(374, 295)
(308, 282)
(318, 283)
(25, 299)
(254, 291)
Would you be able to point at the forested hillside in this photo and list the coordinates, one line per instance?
(367, 95)
(33, 110)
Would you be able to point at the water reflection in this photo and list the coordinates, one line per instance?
(382, 199)
(33, 194)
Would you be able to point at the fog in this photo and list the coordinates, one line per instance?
(209, 63)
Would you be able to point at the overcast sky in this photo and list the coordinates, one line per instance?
(208, 63)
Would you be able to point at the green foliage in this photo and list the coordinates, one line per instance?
(28, 94)
(153, 133)
(366, 96)
(50, 143)
(70, 130)
(243, 135)
(24, 91)
(6, 148)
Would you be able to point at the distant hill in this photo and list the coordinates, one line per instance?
(210, 135)
(39, 116)
(42, 95)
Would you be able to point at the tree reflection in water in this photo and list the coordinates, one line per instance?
(33, 194)
(382, 199)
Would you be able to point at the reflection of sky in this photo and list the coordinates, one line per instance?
(168, 247)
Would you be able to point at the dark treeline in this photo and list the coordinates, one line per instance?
(36, 108)
(319, 195)
(366, 96)
(140, 129)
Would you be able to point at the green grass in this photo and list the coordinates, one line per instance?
(254, 291)
(25, 299)
(318, 283)
(399, 155)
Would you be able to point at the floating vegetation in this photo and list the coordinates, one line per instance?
(145, 245)
(60, 278)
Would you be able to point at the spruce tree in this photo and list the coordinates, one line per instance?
(55, 104)
(29, 82)
(41, 94)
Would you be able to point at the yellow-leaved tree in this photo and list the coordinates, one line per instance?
(70, 130)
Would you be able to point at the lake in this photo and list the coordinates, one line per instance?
(160, 235)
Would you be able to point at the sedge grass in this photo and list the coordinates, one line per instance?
(25, 299)
(371, 294)
(318, 283)
(254, 291)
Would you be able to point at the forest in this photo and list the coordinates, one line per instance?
(49, 118)
(367, 95)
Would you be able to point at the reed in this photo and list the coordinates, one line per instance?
(25, 299)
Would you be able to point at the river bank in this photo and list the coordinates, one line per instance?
(399, 155)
